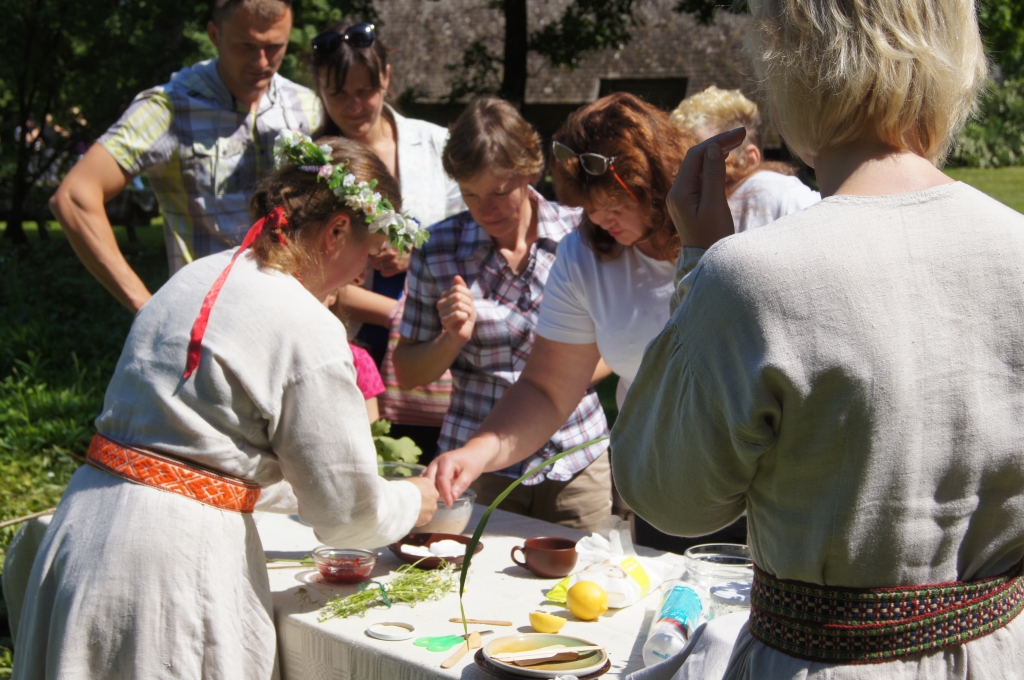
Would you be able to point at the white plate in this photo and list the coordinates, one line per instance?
(526, 642)
(391, 630)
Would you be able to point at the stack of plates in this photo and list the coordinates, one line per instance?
(590, 664)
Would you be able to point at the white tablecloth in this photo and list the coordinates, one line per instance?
(339, 649)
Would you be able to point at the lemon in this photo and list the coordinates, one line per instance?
(543, 622)
(587, 600)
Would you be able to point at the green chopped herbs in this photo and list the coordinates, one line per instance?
(410, 585)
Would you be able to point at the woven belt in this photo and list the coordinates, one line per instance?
(175, 476)
(874, 625)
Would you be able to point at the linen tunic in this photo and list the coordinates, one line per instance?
(853, 378)
(132, 581)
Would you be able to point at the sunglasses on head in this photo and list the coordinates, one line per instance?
(360, 35)
(592, 163)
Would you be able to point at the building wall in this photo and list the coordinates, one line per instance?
(427, 35)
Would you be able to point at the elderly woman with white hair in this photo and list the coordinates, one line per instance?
(852, 377)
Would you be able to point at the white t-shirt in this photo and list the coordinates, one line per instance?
(766, 196)
(620, 304)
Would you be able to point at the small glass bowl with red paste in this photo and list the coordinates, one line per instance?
(344, 565)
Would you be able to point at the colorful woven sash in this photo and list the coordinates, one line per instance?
(874, 625)
(174, 476)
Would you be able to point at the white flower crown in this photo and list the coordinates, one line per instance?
(403, 231)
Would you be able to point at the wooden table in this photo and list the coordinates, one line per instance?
(339, 649)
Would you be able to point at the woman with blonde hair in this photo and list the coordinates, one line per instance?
(759, 191)
(851, 377)
(234, 376)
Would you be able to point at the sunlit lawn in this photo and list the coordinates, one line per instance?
(1002, 184)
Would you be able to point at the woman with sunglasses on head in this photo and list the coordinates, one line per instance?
(475, 292)
(351, 71)
(231, 379)
(608, 292)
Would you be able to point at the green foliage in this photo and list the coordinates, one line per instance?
(476, 74)
(60, 336)
(704, 10)
(390, 450)
(1002, 26)
(996, 137)
(585, 26)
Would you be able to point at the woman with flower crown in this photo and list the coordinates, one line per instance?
(233, 377)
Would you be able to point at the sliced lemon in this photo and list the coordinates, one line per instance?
(543, 622)
(587, 600)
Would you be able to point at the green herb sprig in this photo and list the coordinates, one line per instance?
(411, 585)
(471, 548)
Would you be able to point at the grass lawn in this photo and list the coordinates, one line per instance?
(1003, 184)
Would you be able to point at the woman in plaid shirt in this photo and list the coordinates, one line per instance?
(474, 298)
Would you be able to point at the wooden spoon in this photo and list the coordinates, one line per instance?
(474, 642)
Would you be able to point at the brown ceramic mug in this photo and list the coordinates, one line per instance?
(547, 557)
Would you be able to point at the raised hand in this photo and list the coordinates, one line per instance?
(696, 203)
(389, 263)
(458, 313)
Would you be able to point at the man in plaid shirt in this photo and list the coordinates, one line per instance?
(204, 140)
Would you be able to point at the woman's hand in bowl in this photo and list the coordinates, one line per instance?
(454, 471)
(697, 203)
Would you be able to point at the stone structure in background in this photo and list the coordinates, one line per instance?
(670, 56)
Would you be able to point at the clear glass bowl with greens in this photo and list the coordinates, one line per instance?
(400, 470)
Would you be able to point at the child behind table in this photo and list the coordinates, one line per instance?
(759, 191)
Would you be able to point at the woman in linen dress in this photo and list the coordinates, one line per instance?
(475, 291)
(352, 74)
(137, 582)
(852, 377)
(609, 290)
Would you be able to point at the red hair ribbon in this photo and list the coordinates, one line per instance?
(277, 219)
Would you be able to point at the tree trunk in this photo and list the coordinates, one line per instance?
(513, 85)
(15, 231)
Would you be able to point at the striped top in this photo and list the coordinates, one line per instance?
(203, 152)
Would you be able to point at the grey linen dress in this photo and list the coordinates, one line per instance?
(135, 582)
(853, 377)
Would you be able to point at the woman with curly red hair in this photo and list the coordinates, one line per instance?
(608, 293)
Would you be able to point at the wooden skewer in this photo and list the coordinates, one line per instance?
(485, 622)
(474, 642)
(544, 654)
(41, 513)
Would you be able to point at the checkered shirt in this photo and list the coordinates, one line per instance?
(203, 153)
(507, 307)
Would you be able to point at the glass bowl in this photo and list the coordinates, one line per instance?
(400, 470)
(714, 563)
(344, 565)
(451, 520)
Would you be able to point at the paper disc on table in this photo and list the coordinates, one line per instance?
(391, 630)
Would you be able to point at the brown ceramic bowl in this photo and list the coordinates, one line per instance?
(427, 539)
(547, 556)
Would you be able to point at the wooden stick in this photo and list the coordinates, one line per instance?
(484, 622)
(474, 642)
(19, 520)
(543, 652)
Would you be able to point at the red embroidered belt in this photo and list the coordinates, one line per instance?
(169, 474)
(874, 625)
